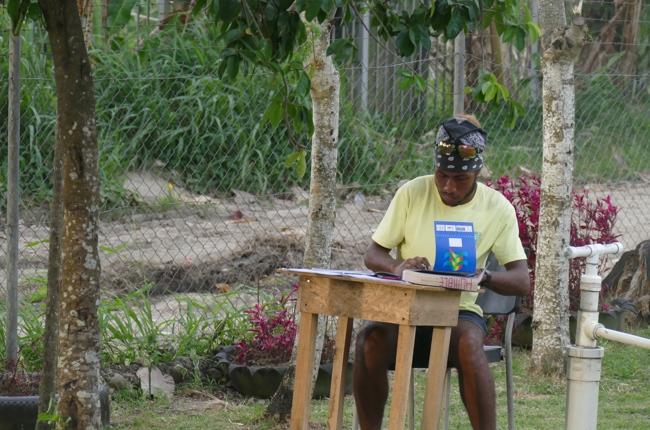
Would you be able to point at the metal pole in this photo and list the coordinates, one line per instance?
(459, 74)
(365, 60)
(163, 10)
(13, 195)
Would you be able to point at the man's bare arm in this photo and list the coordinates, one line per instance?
(378, 259)
(513, 282)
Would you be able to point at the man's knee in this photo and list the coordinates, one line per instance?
(374, 344)
(467, 344)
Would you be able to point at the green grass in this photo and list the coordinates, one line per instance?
(540, 402)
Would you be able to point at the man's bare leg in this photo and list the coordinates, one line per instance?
(474, 375)
(375, 348)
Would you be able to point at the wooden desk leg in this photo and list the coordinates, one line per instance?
(304, 371)
(436, 378)
(339, 370)
(404, 359)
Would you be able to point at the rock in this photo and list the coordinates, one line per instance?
(214, 373)
(156, 384)
(630, 279)
(180, 369)
(119, 382)
(140, 361)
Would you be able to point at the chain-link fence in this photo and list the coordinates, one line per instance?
(195, 195)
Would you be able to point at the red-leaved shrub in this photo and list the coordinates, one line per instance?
(592, 221)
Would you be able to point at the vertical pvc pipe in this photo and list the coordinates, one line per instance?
(13, 198)
(590, 285)
(583, 377)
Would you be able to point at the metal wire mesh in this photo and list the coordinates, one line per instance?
(192, 196)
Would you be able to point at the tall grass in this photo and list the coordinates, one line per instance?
(160, 104)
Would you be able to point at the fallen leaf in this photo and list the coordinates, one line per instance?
(224, 287)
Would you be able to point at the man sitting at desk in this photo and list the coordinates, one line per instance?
(452, 193)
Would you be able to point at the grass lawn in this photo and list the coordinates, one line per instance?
(540, 402)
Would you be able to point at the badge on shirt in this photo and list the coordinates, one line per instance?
(455, 247)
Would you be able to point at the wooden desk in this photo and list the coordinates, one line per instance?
(374, 299)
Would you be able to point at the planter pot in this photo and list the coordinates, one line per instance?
(263, 382)
(21, 412)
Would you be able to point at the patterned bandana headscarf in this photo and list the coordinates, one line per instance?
(463, 132)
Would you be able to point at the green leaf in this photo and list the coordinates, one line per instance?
(301, 169)
(275, 112)
(234, 34)
(304, 84)
(227, 10)
(425, 37)
(504, 92)
(312, 7)
(232, 69)
(404, 73)
(520, 39)
(491, 93)
(404, 44)
(414, 36)
(327, 6)
(455, 25)
(509, 34)
(291, 159)
(534, 32)
(222, 68)
(420, 83)
(406, 83)
(342, 51)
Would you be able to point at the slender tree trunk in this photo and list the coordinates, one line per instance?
(500, 72)
(76, 139)
(560, 46)
(325, 89)
(47, 388)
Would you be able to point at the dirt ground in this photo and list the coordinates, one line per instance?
(202, 243)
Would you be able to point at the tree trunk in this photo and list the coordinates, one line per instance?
(47, 388)
(325, 89)
(76, 139)
(629, 37)
(560, 46)
(501, 70)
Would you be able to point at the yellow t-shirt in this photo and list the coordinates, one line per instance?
(408, 226)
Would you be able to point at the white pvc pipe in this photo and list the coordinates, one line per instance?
(599, 331)
(589, 250)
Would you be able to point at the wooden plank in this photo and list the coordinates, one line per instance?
(401, 384)
(339, 371)
(436, 378)
(382, 302)
(304, 371)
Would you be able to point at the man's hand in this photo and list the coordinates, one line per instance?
(417, 263)
(378, 259)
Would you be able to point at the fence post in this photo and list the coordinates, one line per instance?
(459, 74)
(163, 10)
(13, 193)
(365, 60)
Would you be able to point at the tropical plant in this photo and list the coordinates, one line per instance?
(592, 221)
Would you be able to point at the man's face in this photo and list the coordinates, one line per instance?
(456, 188)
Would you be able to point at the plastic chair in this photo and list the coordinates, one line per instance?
(493, 304)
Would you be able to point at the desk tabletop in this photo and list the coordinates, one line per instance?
(356, 276)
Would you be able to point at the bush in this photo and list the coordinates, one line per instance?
(592, 221)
